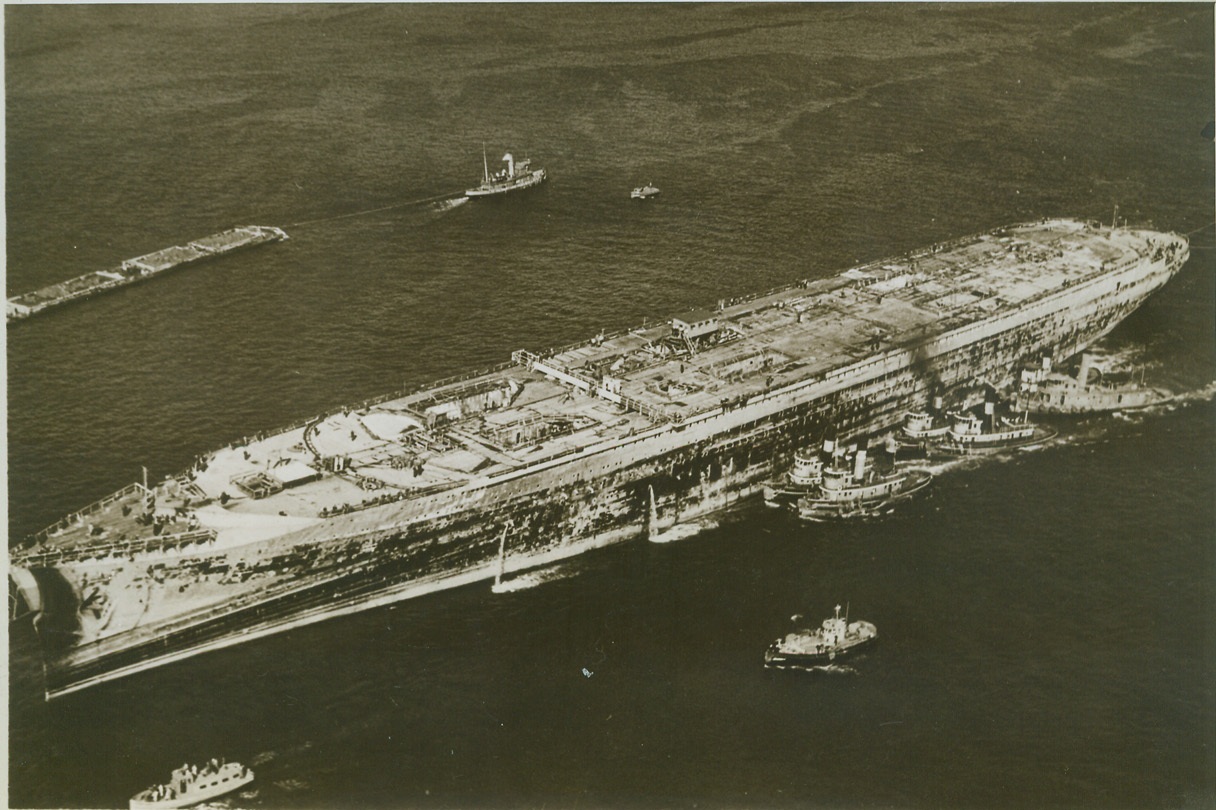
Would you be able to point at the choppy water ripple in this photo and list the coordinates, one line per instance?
(1039, 613)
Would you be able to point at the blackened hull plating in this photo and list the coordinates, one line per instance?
(599, 495)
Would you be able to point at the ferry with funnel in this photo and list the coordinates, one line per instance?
(571, 448)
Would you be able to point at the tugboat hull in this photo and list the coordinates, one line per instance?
(954, 448)
(866, 502)
(518, 184)
(775, 659)
(836, 638)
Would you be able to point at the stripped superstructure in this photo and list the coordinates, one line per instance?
(557, 452)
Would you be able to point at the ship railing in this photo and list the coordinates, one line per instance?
(647, 410)
(368, 403)
(309, 430)
(80, 514)
(469, 388)
(602, 337)
(41, 557)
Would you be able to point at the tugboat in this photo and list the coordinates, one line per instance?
(1045, 391)
(803, 479)
(191, 784)
(972, 435)
(516, 177)
(919, 431)
(644, 192)
(835, 638)
(857, 490)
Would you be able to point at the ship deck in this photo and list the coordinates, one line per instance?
(546, 405)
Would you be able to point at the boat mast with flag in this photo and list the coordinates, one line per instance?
(516, 177)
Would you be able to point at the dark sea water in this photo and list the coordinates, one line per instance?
(1048, 636)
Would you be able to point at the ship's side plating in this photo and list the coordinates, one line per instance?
(596, 497)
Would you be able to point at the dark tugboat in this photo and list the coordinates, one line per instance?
(918, 432)
(803, 479)
(835, 638)
(971, 435)
(851, 487)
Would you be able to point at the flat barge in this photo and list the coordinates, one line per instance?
(141, 268)
(557, 452)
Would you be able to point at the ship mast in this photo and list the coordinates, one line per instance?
(502, 555)
(485, 166)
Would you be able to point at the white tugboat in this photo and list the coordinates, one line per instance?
(857, 490)
(1046, 391)
(644, 192)
(192, 784)
(516, 177)
(835, 638)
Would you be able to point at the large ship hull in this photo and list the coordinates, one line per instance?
(198, 594)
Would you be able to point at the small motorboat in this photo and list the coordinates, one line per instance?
(835, 638)
(192, 784)
(644, 192)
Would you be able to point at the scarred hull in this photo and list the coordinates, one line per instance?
(114, 607)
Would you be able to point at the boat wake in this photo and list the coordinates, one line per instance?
(269, 756)
(1120, 360)
(292, 785)
(1205, 394)
(448, 205)
(532, 579)
(439, 202)
(682, 531)
(827, 669)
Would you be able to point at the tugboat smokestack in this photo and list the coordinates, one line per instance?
(859, 466)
